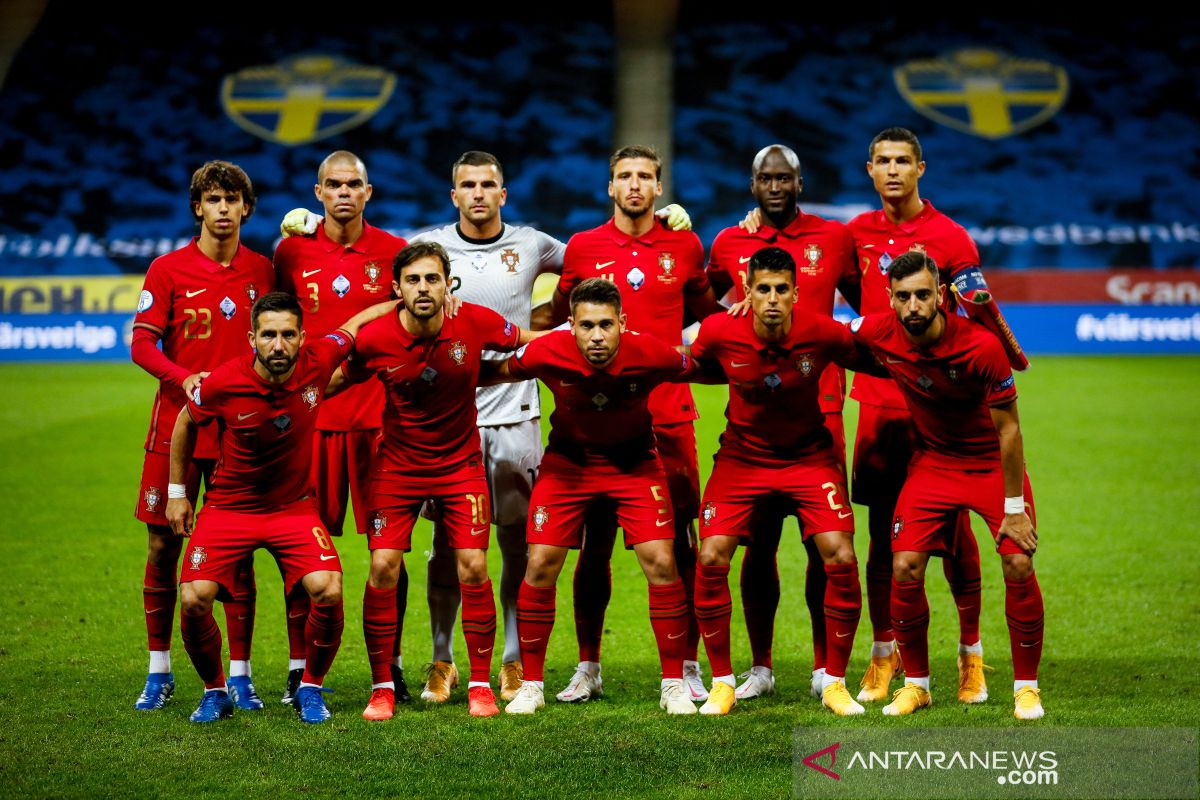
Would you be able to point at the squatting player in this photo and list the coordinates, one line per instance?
(264, 408)
(777, 454)
(824, 251)
(342, 268)
(429, 364)
(956, 379)
(884, 443)
(601, 450)
(197, 301)
(659, 274)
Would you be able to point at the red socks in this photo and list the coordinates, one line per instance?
(202, 641)
(479, 627)
(963, 575)
(843, 606)
(760, 601)
(379, 630)
(686, 562)
(535, 620)
(324, 635)
(910, 620)
(239, 611)
(159, 592)
(714, 610)
(668, 618)
(1023, 608)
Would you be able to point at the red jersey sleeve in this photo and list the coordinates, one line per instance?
(493, 330)
(1000, 388)
(707, 342)
(849, 281)
(525, 362)
(697, 278)
(570, 271)
(154, 303)
(664, 362)
(204, 404)
(331, 350)
(283, 260)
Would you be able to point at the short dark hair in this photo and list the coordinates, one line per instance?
(911, 263)
(276, 301)
(417, 251)
(637, 151)
(475, 158)
(222, 175)
(598, 292)
(895, 135)
(771, 259)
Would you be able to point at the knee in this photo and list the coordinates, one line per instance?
(713, 554)
(472, 566)
(907, 567)
(842, 553)
(325, 588)
(385, 570)
(194, 603)
(1017, 567)
(660, 568)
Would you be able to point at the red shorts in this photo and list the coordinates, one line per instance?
(151, 505)
(565, 490)
(460, 505)
(883, 448)
(676, 444)
(934, 496)
(738, 495)
(341, 460)
(295, 535)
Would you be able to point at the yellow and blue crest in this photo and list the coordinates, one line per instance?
(984, 92)
(305, 98)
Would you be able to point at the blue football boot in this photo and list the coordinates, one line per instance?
(214, 705)
(241, 689)
(159, 688)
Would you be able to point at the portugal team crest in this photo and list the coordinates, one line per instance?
(812, 252)
(511, 259)
(252, 291)
(197, 557)
(378, 523)
(709, 513)
(305, 98)
(805, 364)
(310, 396)
(153, 498)
(372, 270)
(458, 352)
(666, 262)
(897, 527)
(540, 517)
(984, 92)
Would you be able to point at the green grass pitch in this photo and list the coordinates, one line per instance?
(1112, 447)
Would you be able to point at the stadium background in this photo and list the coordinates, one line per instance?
(1074, 166)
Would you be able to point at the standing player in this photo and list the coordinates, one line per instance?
(884, 443)
(825, 252)
(776, 452)
(659, 274)
(955, 377)
(429, 365)
(196, 301)
(601, 449)
(341, 269)
(494, 266)
(265, 408)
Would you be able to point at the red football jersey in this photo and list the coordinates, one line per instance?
(266, 429)
(201, 309)
(653, 271)
(878, 241)
(601, 413)
(429, 418)
(824, 253)
(774, 417)
(334, 283)
(948, 387)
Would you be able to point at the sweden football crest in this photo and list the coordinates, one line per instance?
(984, 92)
(305, 98)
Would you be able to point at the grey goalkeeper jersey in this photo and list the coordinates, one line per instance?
(499, 274)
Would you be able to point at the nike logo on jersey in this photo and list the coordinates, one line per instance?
(605, 264)
(660, 522)
(307, 272)
(190, 293)
(867, 246)
(328, 558)
(675, 635)
(246, 416)
(891, 360)
(735, 364)
(393, 369)
(479, 532)
(843, 516)
(744, 260)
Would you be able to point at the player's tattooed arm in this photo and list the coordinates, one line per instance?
(1017, 527)
(180, 514)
